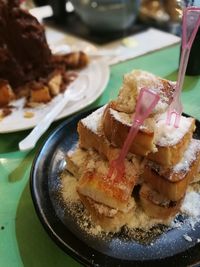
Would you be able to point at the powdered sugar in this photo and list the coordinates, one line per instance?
(188, 157)
(168, 135)
(161, 106)
(69, 184)
(155, 84)
(164, 135)
(118, 117)
(92, 121)
(146, 79)
(140, 219)
(188, 238)
(126, 119)
(191, 204)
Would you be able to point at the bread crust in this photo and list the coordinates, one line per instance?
(158, 208)
(99, 187)
(76, 160)
(90, 139)
(111, 220)
(132, 84)
(102, 135)
(96, 140)
(116, 132)
(167, 155)
(171, 155)
(170, 183)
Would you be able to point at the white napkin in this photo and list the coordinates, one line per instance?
(141, 43)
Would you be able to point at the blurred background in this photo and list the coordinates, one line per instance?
(113, 15)
(95, 20)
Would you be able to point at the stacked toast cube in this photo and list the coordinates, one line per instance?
(161, 162)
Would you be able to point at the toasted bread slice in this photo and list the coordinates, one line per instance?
(101, 189)
(172, 182)
(40, 94)
(115, 194)
(76, 160)
(110, 220)
(132, 84)
(171, 142)
(157, 206)
(96, 184)
(80, 160)
(92, 136)
(164, 147)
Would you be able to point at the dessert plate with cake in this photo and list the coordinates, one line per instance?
(32, 78)
(150, 215)
(21, 117)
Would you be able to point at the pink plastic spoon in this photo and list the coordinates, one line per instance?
(190, 25)
(145, 104)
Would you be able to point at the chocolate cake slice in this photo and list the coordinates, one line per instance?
(27, 66)
(24, 53)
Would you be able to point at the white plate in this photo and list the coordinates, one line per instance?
(98, 73)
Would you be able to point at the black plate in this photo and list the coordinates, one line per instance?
(169, 249)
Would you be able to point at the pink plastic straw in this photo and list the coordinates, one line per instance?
(190, 25)
(145, 104)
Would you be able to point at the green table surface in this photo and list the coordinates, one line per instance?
(23, 241)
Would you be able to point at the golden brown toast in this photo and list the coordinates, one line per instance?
(110, 220)
(172, 157)
(164, 147)
(107, 138)
(157, 206)
(99, 187)
(132, 84)
(171, 142)
(116, 126)
(91, 135)
(172, 182)
(96, 184)
(76, 160)
(81, 160)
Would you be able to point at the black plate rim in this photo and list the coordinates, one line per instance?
(187, 256)
(38, 210)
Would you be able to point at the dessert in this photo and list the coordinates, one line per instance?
(91, 135)
(110, 219)
(132, 84)
(76, 159)
(172, 182)
(150, 140)
(161, 163)
(156, 205)
(27, 66)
